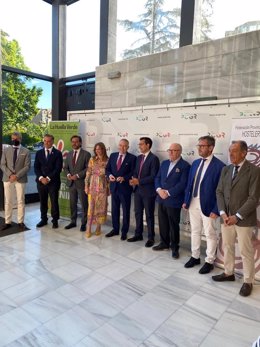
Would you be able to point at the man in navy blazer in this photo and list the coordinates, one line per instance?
(200, 199)
(119, 170)
(147, 166)
(170, 184)
(47, 166)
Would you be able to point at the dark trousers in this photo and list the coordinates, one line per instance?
(75, 194)
(169, 226)
(125, 201)
(51, 190)
(146, 204)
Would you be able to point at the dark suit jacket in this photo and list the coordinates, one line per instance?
(209, 183)
(242, 195)
(79, 169)
(149, 171)
(126, 170)
(175, 183)
(51, 167)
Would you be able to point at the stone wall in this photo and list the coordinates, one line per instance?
(225, 68)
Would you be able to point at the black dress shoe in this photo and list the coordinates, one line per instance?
(123, 237)
(83, 227)
(5, 226)
(246, 289)
(160, 247)
(135, 238)
(175, 254)
(21, 226)
(192, 262)
(55, 225)
(206, 268)
(111, 233)
(41, 224)
(70, 226)
(149, 243)
(223, 277)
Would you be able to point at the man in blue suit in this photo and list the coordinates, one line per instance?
(200, 199)
(170, 184)
(147, 166)
(119, 170)
(47, 166)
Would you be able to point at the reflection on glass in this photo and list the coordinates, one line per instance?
(147, 27)
(216, 19)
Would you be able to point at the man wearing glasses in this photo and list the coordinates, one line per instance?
(200, 199)
(170, 184)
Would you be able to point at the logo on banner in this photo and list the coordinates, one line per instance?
(188, 116)
(91, 134)
(142, 118)
(190, 153)
(106, 119)
(250, 114)
(163, 134)
(217, 135)
(122, 134)
(254, 154)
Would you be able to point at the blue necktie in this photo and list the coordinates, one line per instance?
(196, 186)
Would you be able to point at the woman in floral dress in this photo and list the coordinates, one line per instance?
(97, 188)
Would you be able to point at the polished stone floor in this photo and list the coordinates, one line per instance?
(60, 289)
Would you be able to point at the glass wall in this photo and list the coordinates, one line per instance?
(26, 107)
(83, 18)
(26, 26)
(216, 19)
(147, 27)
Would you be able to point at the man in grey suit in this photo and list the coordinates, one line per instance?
(15, 164)
(238, 195)
(75, 168)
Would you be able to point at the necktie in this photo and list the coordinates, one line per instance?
(48, 154)
(235, 172)
(119, 162)
(74, 158)
(141, 165)
(15, 157)
(196, 186)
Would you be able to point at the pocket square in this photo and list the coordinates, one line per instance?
(177, 170)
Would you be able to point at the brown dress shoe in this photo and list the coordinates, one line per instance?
(246, 289)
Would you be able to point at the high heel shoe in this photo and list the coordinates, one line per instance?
(98, 231)
(88, 234)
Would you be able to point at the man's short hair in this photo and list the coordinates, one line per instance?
(126, 141)
(76, 137)
(50, 136)
(243, 145)
(210, 139)
(17, 134)
(147, 141)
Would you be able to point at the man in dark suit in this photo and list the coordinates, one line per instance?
(238, 194)
(75, 167)
(200, 199)
(47, 167)
(15, 164)
(119, 170)
(170, 184)
(147, 166)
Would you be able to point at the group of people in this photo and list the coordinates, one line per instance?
(207, 189)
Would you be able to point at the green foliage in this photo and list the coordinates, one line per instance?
(160, 29)
(19, 98)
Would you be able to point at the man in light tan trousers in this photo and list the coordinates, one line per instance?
(238, 195)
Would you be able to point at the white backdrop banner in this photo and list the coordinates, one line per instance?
(166, 125)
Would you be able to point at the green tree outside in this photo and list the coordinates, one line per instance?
(19, 99)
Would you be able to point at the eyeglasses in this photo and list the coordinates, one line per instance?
(173, 150)
(199, 146)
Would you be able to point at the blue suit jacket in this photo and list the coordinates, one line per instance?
(175, 183)
(149, 171)
(209, 183)
(126, 170)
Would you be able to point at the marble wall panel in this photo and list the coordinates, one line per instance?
(172, 73)
(194, 70)
(171, 93)
(251, 84)
(148, 96)
(252, 39)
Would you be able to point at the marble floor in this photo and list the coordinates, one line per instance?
(59, 289)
